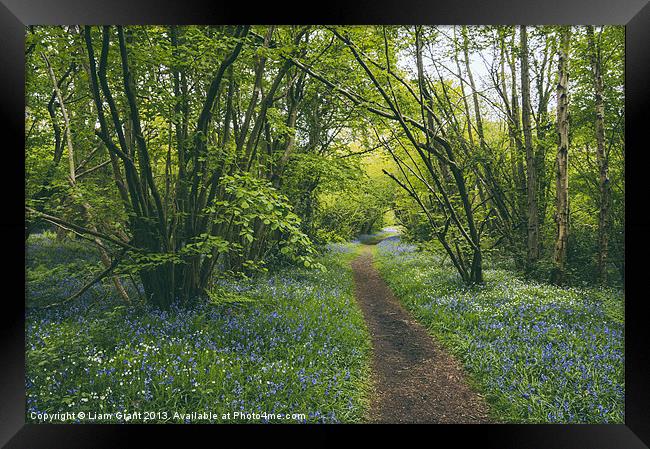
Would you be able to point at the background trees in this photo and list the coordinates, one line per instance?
(476, 153)
(182, 152)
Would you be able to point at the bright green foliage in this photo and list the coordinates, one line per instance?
(200, 181)
(356, 205)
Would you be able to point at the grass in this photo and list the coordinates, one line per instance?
(538, 352)
(295, 343)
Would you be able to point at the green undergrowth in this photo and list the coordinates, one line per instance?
(293, 343)
(538, 352)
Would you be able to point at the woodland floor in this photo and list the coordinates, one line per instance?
(415, 379)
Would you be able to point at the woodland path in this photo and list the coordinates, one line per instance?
(415, 379)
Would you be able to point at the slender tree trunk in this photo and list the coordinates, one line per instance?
(518, 146)
(477, 111)
(476, 271)
(512, 147)
(470, 133)
(470, 76)
(542, 124)
(531, 172)
(72, 180)
(562, 178)
(486, 158)
(603, 181)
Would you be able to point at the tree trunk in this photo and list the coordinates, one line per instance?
(603, 181)
(519, 176)
(542, 124)
(562, 178)
(72, 180)
(475, 275)
(470, 133)
(486, 158)
(531, 172)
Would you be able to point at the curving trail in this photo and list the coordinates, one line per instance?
(416, 381)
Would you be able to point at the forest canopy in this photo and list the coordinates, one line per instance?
(186, 153)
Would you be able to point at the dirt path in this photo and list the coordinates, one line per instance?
(416, 381)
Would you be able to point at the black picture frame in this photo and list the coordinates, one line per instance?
(635, 14)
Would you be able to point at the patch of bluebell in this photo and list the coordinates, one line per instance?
(540, 353)
(300, 347)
